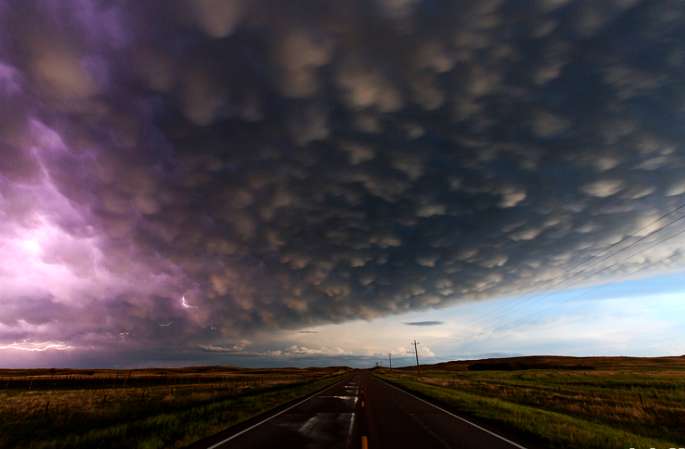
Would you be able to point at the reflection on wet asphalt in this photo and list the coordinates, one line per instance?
(365, 412)
(327, 420)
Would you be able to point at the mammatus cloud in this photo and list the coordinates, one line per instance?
(187, 173)
(423, 323)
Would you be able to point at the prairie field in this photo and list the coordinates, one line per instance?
(150, 408)
(563, 402)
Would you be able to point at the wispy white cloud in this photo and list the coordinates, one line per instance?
(37, 346)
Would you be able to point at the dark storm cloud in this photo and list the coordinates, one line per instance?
(424, 323)
(234, 166)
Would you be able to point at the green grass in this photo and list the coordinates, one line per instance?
(174, 413)
(608, 404)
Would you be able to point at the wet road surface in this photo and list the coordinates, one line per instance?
(364, 412)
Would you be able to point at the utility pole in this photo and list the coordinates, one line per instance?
(390, 359)
(416, 352)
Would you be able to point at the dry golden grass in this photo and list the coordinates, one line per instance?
(641, 397)
(139, 408)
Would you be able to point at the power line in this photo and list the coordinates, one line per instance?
(656, 243)
(495, 325)
(531, 297)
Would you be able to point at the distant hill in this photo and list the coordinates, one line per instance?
(560, 363)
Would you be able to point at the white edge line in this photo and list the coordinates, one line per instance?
(455, 416)
(265, 420)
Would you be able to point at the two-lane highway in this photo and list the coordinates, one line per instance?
(364, 412)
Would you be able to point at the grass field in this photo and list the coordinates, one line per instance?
(564, 402)
(157, 408)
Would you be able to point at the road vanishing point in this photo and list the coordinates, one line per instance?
(361, 411)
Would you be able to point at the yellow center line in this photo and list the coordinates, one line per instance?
(365, 442)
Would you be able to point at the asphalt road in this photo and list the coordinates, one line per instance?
(364, 412)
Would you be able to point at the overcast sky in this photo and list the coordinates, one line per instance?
(264, 182)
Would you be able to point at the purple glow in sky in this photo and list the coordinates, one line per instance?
(181, 179)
